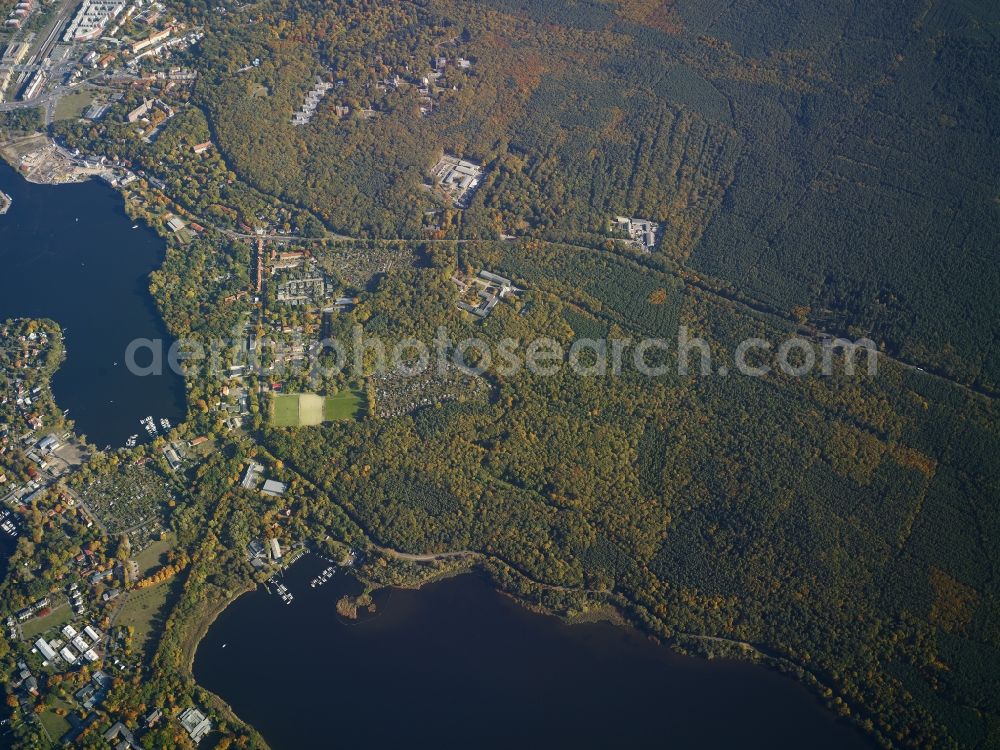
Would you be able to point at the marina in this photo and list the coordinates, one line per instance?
(323, 577)
(152, 428)
(280, 588)
(8, 523)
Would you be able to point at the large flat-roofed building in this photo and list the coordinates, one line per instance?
(49, 444)
(275, 546)
(35, 85)
(252, 475)
(505, 284)
(274, 488)
(47, 652)
(175, 224)
(12, 56)
(195, 724)
(311, 103)
(480, 294)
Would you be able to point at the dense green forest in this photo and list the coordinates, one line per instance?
(846, 523)
(836, 161)
(833, 166)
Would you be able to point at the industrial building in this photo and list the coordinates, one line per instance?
(641, 232)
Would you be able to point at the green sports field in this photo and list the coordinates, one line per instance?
(285, 411)
(345, 405)
(308, 409)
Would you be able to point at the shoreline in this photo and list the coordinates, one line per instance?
(49, 165)
(204, 624)
(614, 614)
(198, 633)
(615, 611)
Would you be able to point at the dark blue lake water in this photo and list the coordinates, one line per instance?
(457, 665)
(69, 253)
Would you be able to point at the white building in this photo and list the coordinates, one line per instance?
(195, 724)
(91, 18)
(274, 489)
(45, 649)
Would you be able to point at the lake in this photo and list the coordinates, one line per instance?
(69, 253)
(457, 664)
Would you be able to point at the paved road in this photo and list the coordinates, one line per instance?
(44, 44)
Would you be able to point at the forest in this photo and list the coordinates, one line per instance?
(847, 523)
(828, 170)
(817, 170)
(840, 166)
